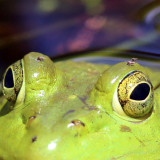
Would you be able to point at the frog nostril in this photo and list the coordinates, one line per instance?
(77, 123)
(30, 120)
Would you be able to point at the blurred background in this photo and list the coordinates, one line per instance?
(59, 28)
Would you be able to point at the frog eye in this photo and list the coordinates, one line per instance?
(135, 94)
(12, 81)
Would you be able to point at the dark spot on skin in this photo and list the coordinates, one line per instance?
(34, 139)
(70, 111)
(40, 58)
(93, 108)
(77, 122)
(76, 135)
(83, 99)
(67, 86)
(125, 129)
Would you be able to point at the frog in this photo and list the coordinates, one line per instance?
(71, 110)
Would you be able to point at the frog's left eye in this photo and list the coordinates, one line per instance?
(135, 94)
(12, 81)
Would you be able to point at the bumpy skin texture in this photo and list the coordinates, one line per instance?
(68, 111)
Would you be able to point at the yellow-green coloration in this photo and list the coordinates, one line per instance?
(76, 110)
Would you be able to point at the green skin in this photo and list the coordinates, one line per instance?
(68, 110)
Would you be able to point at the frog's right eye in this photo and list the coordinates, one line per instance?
(12, 81)
(135, 95)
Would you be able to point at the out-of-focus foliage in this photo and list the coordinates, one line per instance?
(60, 27)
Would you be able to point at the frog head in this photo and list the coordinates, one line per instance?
(32, 77)
(77, 110)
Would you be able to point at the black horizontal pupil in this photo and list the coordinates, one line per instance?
(140, 92)
(9, 79)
